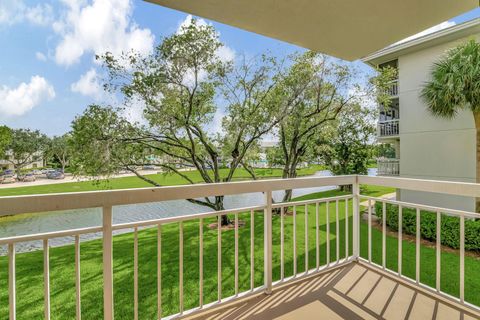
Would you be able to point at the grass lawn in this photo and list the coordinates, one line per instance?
(30, 274)
(134, 182)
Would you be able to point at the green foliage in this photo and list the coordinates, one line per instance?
(59, 149)
(450, 226)
(350, 148)
(455, 82)
(26, 146)
(5, 139)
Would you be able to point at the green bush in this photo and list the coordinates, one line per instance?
(449, 231)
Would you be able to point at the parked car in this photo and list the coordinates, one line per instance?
(8, 179)
(149, 167)
(55, 175)
(28, 177)
(8, 172)
(37, 172)
(46, 170)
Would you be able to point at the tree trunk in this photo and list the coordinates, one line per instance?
(476, 116)
(219, 206)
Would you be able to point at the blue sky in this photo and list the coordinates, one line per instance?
(47, 72)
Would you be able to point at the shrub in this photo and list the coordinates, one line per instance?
(449, 231)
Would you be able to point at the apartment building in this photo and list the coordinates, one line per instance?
(425, 147)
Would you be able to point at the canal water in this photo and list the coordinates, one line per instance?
(72, 219)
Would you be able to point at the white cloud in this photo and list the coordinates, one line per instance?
(97, 27)
(15, 11)
(40, 56)
(18, 101)
(88, 85)
(438, 27)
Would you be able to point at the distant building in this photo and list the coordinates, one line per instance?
(6, 164)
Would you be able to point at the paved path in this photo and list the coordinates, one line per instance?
(389, 196)
(68, 178)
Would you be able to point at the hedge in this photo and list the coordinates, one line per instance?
(449, 231)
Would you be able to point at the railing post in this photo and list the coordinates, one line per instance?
(268, 242)
(107, 264)
(356, 218)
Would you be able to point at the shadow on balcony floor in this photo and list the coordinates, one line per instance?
(353, 291)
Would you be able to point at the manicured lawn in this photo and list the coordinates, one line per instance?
(134, 182)
(30, 274)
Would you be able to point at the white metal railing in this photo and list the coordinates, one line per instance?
(393, 88)
(388, 128)
(349, 204)
(388, 167)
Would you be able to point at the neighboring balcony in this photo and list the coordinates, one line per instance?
(393, 88)
(388, 128)
(388, 167)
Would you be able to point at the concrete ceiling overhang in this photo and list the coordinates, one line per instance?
(347, 29)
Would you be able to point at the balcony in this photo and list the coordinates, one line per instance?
(388, 128)
(388, 167)
(325, 256)
(393, 89)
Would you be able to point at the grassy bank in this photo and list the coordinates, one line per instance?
(30, 279)
(134, 182)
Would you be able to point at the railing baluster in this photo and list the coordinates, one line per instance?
(282, 242)
(181, 266)
(346, 229)
(356, 222)
(317, 240)
(370, 230)
(252, 250)
(306, 238)
(200, 248)
(159, 271)
(236, 254)
(135, 273)
(294, 241)
(417, 249)
(268, 255)
(107, 264)
(384, 235)
(78, 295)
(12, 298)
(219, 259)
(46, 278)
(328, 231)
(438, 249)
(337, 232)
(400, 232)
(462, 258)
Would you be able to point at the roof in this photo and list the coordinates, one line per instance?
(452, 33)
(347, 29)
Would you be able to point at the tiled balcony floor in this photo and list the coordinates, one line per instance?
(353, 291)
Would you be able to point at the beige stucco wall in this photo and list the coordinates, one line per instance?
(432, 148)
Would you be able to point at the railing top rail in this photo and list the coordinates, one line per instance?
(93, 199)
(380, 122)
(447, 187)
(424, 207)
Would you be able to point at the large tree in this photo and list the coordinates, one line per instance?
(59, 148)
(315, 89)
(350, 148)
(183, 87)
(454, 86)
(26, 147)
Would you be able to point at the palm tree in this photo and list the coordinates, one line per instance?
(455, 86)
